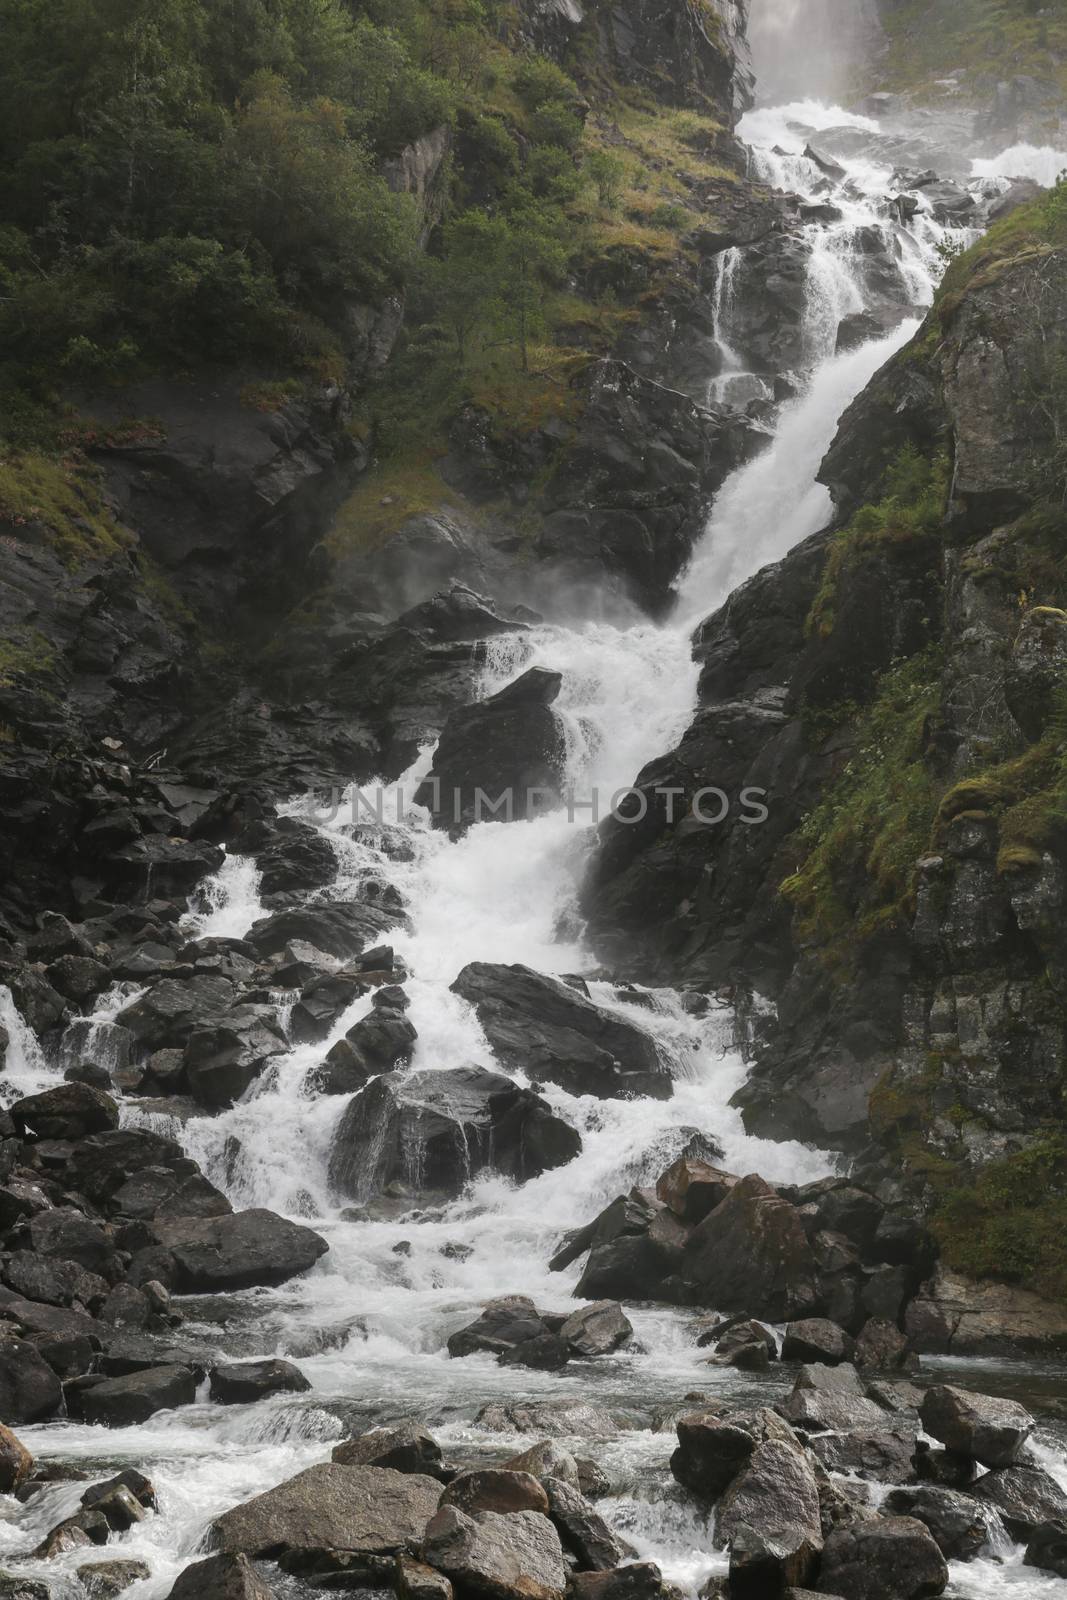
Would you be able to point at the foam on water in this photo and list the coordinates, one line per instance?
(1040, 162)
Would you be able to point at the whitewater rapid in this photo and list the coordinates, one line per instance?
(368, 1324)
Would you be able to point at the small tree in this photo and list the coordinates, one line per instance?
(534, 256)
(464, 284)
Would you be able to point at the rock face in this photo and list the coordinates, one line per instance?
(373, 1510)
(540, 1026)
(506, 1557)
(435, 1131)
(502, 759)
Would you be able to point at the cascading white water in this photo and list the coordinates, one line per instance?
(369, 1323)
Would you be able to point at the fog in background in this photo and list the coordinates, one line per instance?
(803, 48)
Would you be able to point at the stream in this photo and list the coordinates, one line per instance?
(368, 1324)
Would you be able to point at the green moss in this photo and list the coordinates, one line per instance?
(1010, 1224)
(912, 507)
(61, 495)
(927, 39)
(858, 848)
(24, 653)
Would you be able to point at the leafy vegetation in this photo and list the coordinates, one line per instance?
(1011, 1223)
(912, 507)
(859, 846)
(988, 39)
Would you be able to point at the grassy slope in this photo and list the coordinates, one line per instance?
(989, 39)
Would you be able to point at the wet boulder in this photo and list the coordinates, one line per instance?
(69, 1111)
(329, 1508)
(240, 1383)
(180, 1190)
(987, 1428)
(502, 759)
(544, 1028)
(817, 1340)
(29, 1389)
(547, 1459)
(885, 1558)
(881, 1455)
(121, 1402)
(221, 1577)
(170, 1010)
(960, 1526)
(514, 1557)
(106, 1580)
(237, 1251)
(598, 1329)
(881, 1347)
(342, 928)
(692, 1188)
(713, 1448)
(53, 1283)
(831, 1398)
(513, 1330)
(1025, 1497)
(406, 1447)
(377, 1043)
(440, 1129)
(582, 1530)
(496, 1489)
(225, 1058)
(639, 1580)
(769, 1518)
(751, 1254)
(292, 857)
(1047, 1548)
(103, 1162)
(16, 1462)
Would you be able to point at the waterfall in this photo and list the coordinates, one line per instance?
(369, 1323)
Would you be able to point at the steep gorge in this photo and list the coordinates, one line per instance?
(320, 1074)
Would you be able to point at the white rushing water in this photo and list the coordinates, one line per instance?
(369, 1323)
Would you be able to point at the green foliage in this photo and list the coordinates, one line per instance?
(857, 849)
(1011, 1222)
(182, 179)
(912, 507)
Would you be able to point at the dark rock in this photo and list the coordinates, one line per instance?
(769, 1517)
(502, 759)
(224, 1059)
(167, 1014)
(542, 1027)
(68, 1111)
(552, 1419)
(244, 1382)
(120, 1402)
(751, 1254)
(105, 1580)
(582, 1530)
(377, 1043)
(510, 1326)
(640, 1580)
(886, 1558)
(1047, 1548)
(343, 929)
(29, 1389)
(406, 1447)
(960, 1527)
(1025, 1497)
(713, 1449)
(880, 1347)
(831, 1397)
(692, 1189)
(495, 1489)
(816, 1340)
(513, 1557)
(416, 1581)
(446, 1127)
(598, 1329)
(221, 1577)
(16, 1462)
(179, 1190)
(369, 1509)
(55, 1283)
(237, 1251)
(883, 1455)
(989, 1429)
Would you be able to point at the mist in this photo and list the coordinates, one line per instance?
(803, 48)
